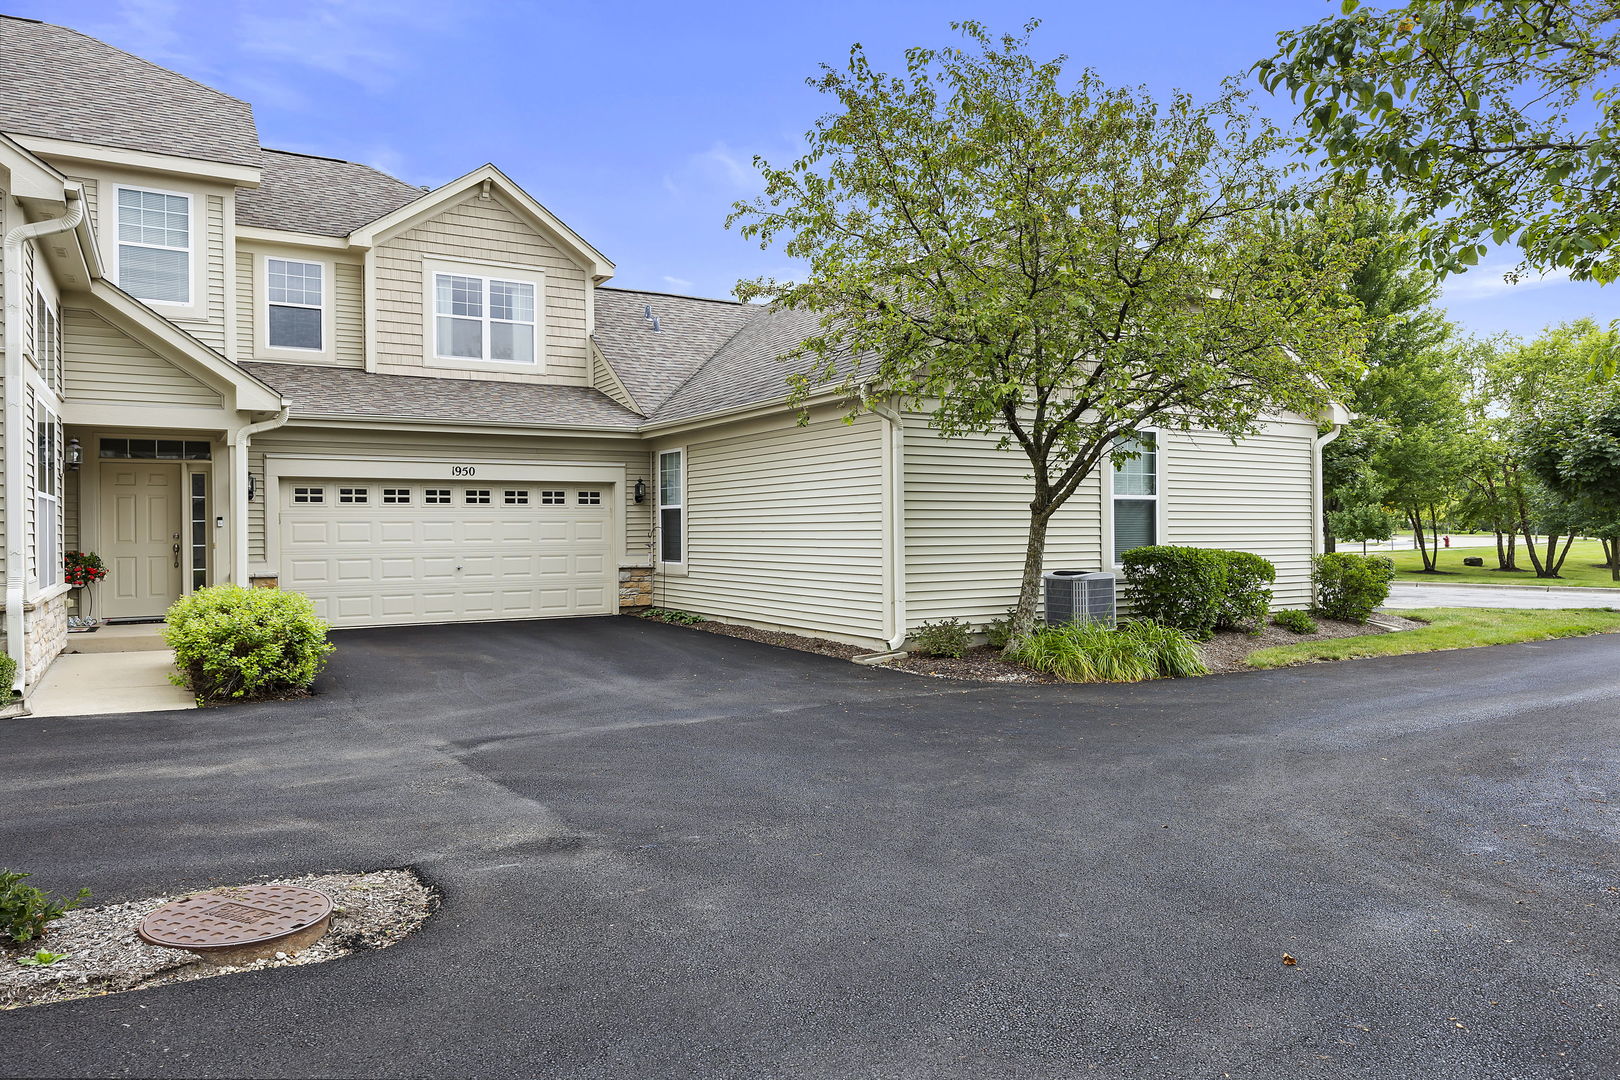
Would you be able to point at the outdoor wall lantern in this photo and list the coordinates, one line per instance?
(641, 491)
(253, 486)
(75, 455)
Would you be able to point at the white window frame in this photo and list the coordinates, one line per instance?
(48, 572)
(1158, 499)
(486, 273)
(190, 302)
(659, 506)
(48, 341)
(328, 278)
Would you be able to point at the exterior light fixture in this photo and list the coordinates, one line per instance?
(641, 491)
(75, 455)
(253, 486)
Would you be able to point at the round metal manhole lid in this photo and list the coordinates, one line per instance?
(230, 918)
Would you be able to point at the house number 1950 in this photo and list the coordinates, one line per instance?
(463, 470)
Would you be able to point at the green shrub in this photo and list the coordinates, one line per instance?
(8, 675)
(997, 632)
(672, 615)
(1300, 622)
(25, 911)
(1091, 652)
(1246, 598)
(1350, 586)
(1198, 590)
(948, 638)
(233, 643)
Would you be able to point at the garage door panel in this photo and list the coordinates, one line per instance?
(410, 561)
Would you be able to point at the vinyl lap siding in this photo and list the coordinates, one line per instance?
(605, 379)
(785, 528)
(1254, 496)
(464, 448)
(967, 526)
(211, 276)
(477, 230)
(245, 293)
(349, 314)
(347, 299)
(102, 366)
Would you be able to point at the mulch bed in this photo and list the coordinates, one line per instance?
(369, 911)
(1226, 652)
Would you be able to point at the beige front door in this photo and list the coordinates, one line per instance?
(140, 537)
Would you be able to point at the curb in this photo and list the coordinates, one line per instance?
(1584, 590)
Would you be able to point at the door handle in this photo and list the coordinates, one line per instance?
(177, 555)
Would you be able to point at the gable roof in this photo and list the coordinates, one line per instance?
(653, 364)
(346, 393)
(60, 84)
(521, 202)
(319, 195)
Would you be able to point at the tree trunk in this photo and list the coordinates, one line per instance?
(1414, 517)
(1029, 588)
(1501, 552)
(1611, 555)
(1555, 558)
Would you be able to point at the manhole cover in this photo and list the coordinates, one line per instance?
(229, 919)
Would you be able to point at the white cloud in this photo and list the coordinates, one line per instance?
(351, 39)
(1491, 280)
(721, 171)
(147, 28)
(677, 283)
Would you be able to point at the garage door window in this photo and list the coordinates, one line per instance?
(309, 495)
(552, 498)
(397, 496)
(590, 498)
(437, 497)
(353, 495)
(478, 496)
(517, 498)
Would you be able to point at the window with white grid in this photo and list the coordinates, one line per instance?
(295, 292)
(552, 498)
(397, 496)
(484, 318)
(517, 498)
(437, 497)
(154, 245)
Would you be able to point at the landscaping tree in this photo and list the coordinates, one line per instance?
(1495, 119)
(1424, 466)
(1572, 447)
(1362, 515)
(1057, 263)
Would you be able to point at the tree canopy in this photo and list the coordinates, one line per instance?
(1495, 119)
(1054, 261)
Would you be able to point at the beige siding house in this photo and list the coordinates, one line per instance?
(227, 363)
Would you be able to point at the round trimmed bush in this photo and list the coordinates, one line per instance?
(1349, 586)
(234, 644)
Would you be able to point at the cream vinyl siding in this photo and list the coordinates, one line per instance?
(1254, 496)
(605, 379)
(967, 526)
(345, 296)
(463, 448)
(102, 366)
(784, 526)
(211, 273)
(480, 231)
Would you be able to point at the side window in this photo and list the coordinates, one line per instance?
(671, 506)
(1136, 493)
(154, 245)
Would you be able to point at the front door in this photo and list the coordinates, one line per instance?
(140, 538)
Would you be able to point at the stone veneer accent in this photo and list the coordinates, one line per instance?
(635, 587)
(265, 581)
(45, 631)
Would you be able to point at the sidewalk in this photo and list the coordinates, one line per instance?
(1408, 594)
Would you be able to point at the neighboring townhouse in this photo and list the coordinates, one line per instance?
(230, 363)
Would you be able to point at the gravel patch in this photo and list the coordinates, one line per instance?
(369, 911)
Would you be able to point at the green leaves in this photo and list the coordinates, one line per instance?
(42, 958)
(26, 912)
(233, 643)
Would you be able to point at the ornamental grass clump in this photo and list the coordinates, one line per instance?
(237, 644)
(1085, 652)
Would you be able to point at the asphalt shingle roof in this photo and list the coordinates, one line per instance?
(345, 392)
(61, 84)
(318, 195)
(653, 364)
(745, 370)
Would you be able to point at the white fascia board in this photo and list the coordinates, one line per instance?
(242, 176)
(450, 427)
(292, 239)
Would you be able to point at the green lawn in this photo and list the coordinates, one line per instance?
(1579, 569)
(1449, 628)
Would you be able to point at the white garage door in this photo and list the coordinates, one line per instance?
(385, 552)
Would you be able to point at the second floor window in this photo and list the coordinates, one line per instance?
(296, 292)
(478, 318)
(154, 245)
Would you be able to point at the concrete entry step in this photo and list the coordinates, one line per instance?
(124, 682)
(129, 637)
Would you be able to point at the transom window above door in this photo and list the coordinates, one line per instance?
(488, 319)
(157, 449)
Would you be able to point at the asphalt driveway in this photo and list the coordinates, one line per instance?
(668, 854)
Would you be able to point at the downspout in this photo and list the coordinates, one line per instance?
(1319, 528)
(15, 419)
(239, 441)
(894, 541)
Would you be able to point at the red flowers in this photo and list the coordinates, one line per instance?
(81, 568)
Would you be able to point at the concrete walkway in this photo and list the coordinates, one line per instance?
(90, 684)
(1411, 595)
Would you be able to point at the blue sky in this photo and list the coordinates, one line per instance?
(637, 122)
